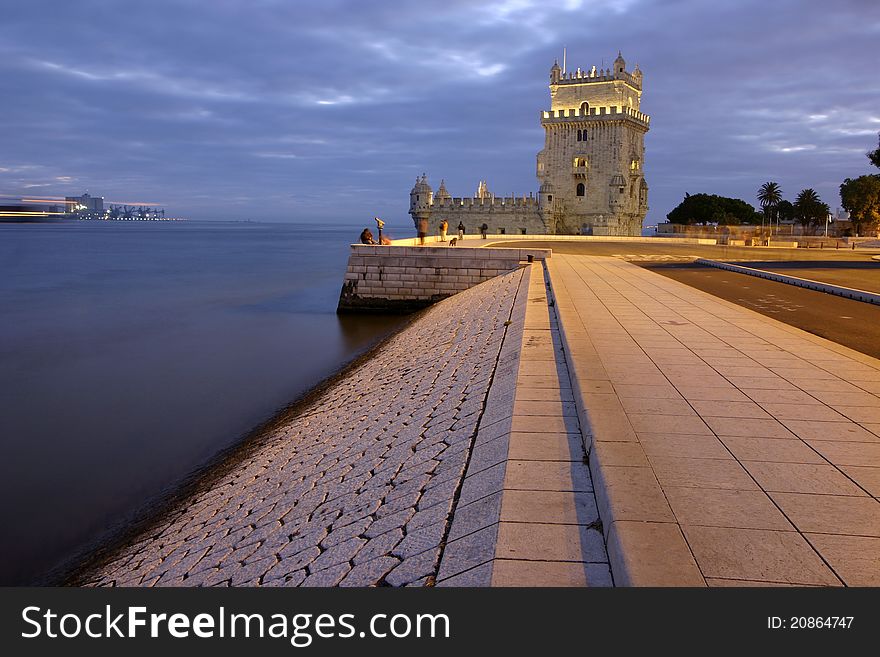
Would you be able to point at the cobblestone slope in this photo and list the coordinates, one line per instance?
(359, 489)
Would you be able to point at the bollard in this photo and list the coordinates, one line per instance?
(531, 258)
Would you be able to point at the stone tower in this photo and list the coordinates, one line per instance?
(594, 150)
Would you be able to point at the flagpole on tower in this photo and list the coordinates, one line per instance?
(563, 60)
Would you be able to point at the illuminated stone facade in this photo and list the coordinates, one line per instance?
(590, 170)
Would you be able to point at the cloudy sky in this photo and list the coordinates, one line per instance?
(300, 110)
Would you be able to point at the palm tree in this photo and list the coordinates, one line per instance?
(769, 196)
(809, 209)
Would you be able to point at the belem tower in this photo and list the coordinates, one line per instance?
(590, 170)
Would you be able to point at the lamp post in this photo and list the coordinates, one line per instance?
(827, 221)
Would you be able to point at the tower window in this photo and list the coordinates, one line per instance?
(585, 108)
(501, 231)
(581, 189)
(523, 231)
(549, 197)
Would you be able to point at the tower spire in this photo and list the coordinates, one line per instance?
(563, 60)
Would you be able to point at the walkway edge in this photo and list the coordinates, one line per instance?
(837, 290)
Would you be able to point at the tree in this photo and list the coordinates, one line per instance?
(785, 211)
(710, 208)
(874, 155)
(769, 196)
(809, 210)
(861, 198)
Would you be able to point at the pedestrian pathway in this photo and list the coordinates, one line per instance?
(726, 448)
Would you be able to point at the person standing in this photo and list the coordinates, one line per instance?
(483, 230)
(444, 226)
(423, 231)
(460, 230)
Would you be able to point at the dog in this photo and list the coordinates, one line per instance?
(453, 241)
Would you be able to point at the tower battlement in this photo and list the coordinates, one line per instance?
(493, 204)
(611, 112)
(594, 76)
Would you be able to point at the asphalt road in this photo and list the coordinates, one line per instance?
(854, 324)
(858, 275)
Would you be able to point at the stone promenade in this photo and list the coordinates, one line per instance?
(727, 448)
(578, 422)
(360, 488)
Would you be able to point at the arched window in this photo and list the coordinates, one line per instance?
(580, 135)
(585, 108)
(581, 189)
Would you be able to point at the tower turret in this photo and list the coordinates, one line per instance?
(619, 65)
(421, 196)
(555, 72)
(442, 195)
(637, 75)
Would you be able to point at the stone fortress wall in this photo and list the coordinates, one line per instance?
(590, 170)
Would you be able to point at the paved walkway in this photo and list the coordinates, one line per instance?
(727, 448)
(359, 489)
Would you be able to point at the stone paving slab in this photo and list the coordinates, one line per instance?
(726, 448)
(358, 489)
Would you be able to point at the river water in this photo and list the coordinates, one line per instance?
(132, 353)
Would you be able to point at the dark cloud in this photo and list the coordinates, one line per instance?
(289, 110)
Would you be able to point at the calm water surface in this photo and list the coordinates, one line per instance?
(131, 353)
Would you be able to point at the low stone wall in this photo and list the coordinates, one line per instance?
(407, 278)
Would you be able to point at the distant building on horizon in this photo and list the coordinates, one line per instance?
(85, 204)
(590, 170)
